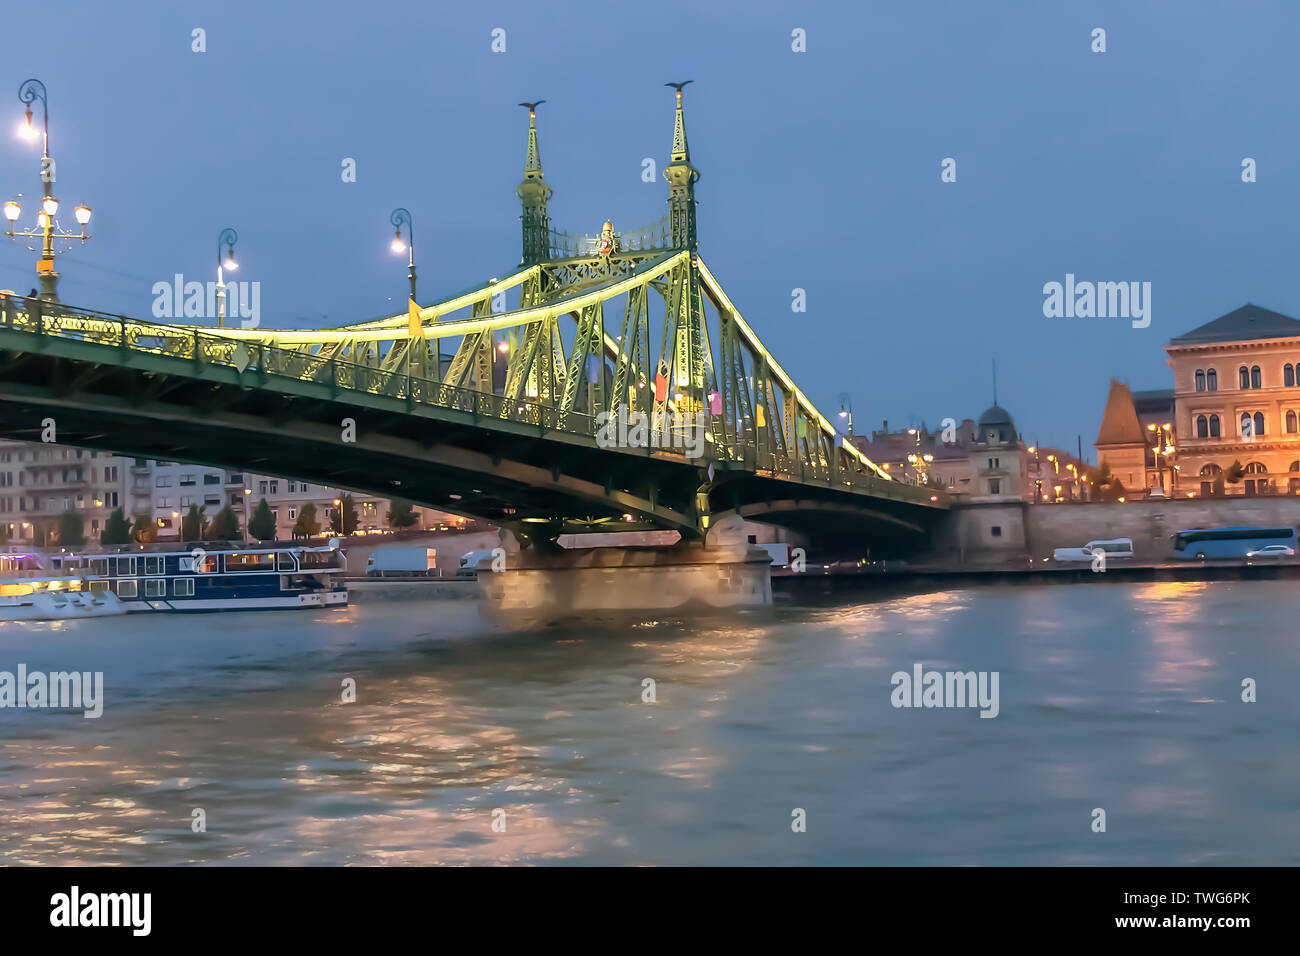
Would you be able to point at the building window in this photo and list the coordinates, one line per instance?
(1243, 377)
(1259, 424)
(993, 463)
(1200, 379)
(1214, 426)
(995, 486)
(1202, 427)
(1254, 376)
(996, 531)
(1211, 381)
(1290, 421)
(1288, 374)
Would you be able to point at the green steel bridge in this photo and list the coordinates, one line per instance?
(463, 406)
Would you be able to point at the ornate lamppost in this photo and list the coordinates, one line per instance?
(225, 240)
(402, 217)
(46, 228)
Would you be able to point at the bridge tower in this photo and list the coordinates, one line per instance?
(534, 194)
(687, 306)
(682, 177)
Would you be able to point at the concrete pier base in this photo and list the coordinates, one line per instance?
(573, 583)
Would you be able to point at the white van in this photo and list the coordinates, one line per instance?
(1114, 548)
(470, 560)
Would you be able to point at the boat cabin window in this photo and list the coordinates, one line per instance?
(123, 566)
(207, 566)
(250, 562)
(316, 559)
(154, 565)
(183, 587)
(99, 566)
(284, 561)
(98, 586)
(127, 589)
(155, 588)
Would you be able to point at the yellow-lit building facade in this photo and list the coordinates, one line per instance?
(1237, 398)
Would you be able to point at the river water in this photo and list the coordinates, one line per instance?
(1119, 696)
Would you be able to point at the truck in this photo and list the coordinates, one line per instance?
(1113, 547)
(402, 563)
(470, 560)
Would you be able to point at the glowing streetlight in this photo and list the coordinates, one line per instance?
(46, 228)
(226, 239)
(402, 217)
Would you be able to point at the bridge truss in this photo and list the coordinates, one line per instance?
(586, 339)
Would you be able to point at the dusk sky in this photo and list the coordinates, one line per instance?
(820, 170)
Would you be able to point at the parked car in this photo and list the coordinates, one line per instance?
(1113, 547)
(1271, 551)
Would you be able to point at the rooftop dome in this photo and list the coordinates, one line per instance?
(996, 424)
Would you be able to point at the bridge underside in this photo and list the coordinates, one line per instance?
(838, 527)
(535, 480)
(538, 482)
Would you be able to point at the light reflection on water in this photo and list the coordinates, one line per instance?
(1123, 696)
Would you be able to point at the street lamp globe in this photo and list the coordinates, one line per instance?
(50, 205)
(28, 129)
(83, 214)
(230, 262)
(12, 209)
(398, 246)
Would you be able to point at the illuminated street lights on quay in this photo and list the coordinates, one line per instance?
(47, 229)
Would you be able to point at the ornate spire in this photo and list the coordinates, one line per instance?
(681, 148)
(534, 194)
(533, 161)
(681, 176)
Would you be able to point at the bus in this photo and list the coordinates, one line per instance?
(1229, 542)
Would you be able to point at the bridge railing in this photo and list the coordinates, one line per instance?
(211, 348)
(344, 374)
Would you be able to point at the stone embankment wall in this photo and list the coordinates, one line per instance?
(967, 534)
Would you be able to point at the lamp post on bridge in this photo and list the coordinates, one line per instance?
(226, 239)
(402, 216)
(46, 229)
(847, 399)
